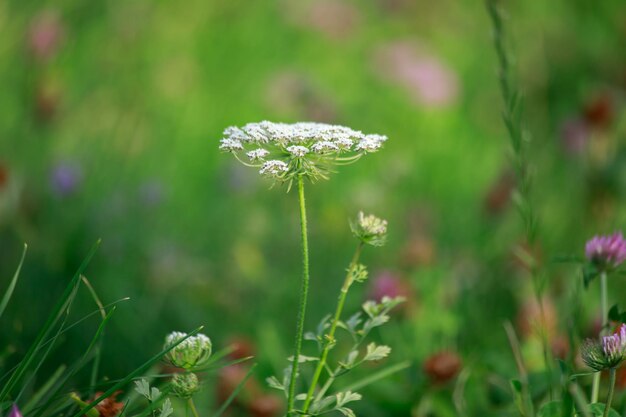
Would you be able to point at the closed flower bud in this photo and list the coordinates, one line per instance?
(185, 385)
(369, 229)
(191, 352)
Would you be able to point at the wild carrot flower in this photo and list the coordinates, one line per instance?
(369, 229)
(193, 351)
(284, 151)
(607, 251)
(608, 353)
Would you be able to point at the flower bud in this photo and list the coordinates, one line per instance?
(185, 385)
(369, 229)
(191, 352)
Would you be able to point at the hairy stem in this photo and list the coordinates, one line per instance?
(513, 122)
(304, 290)
(330, 337)
(595, 389)
(192, 406)
(609, 399)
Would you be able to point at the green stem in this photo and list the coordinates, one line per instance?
(609, 399)
(193, 408)
(330, 337)
(595, 389)
(304, 290)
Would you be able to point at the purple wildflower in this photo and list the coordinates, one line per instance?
(15, 412)
(614, 346)
(65, 179)
(608, 250)
(610, 353)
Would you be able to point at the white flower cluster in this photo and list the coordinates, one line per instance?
(191, 352)
(370, 229)
(283, 150)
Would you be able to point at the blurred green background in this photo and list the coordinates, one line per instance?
(111, 114)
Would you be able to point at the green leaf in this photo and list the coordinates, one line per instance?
(346, 412)
(9, 292)
(518, 395)
(319, 406)
(273, 382)
(166, 409)
(376, 353)
(551, 409)
(346, 397)
(597, 409)
(614, 314)
(590, 272)
(143, 388)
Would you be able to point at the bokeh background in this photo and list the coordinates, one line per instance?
(110, 118)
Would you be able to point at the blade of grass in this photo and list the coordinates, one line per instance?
(79, 364)
(235, 392)
(68, 328)
(135, 373)
(43, 357)
(96, 362)
(383, 373)
(9, 292)
(41, 392)
(50, 322)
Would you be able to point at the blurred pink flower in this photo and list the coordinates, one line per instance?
(334, 18)
(45, 34)
(15, 412)
(388, 284)
(574, 135)
(428, 80)
(609, 249)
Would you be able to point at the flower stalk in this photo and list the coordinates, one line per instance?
(330, 337)
(304, 290)
(609, 399)
(192, 406)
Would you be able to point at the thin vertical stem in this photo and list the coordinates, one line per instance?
(192, 406)
(595, 389)
(330, 337)
(304, 290)
(609, 399)
(514, 125)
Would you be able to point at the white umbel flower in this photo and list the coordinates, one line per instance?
(273, 168)
(371, 143)
(324, 146)
(258, 154)
(285, 151)
(298, 151)
(231, 145)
